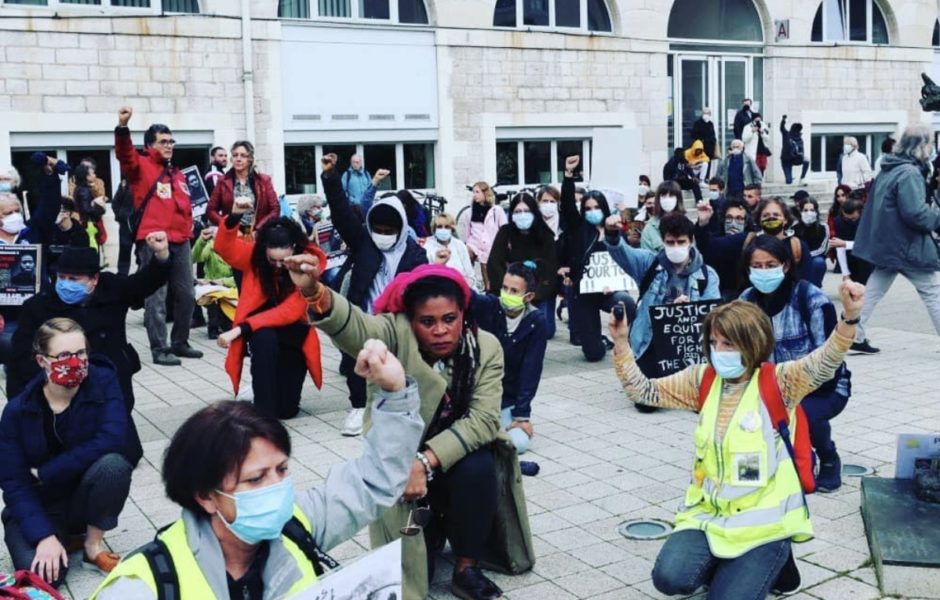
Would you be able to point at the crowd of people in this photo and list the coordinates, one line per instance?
(443, 324)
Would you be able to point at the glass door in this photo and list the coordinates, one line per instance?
(734, 89)
(695, 93)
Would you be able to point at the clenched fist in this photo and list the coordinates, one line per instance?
(124, 115)
(377, 365)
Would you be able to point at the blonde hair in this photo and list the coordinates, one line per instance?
(488, 195)
(445, 220)
(11, 172)
(850, 139)
(52, 328)
(746, 327)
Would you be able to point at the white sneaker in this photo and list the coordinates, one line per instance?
(352, 426)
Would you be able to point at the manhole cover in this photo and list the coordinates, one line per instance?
(857, 471)
(645, 529)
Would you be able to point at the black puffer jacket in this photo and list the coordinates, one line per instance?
(580, 236)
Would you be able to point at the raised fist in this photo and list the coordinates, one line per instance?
(377, 365)
(124, 115)
(571, 163)
(328, 162)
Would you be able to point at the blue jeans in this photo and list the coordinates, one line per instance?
(820, 408)
(788, 171)
(519, 438)
(817, 270)
(686, 563)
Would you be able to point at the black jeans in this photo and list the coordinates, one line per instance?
(125, 247)
(585, 317)
(466, 498)
(97, 501)
(278, 368)
(155, 310)
(788, 170)
(355, 384)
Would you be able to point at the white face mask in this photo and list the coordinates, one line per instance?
(677, 254)
(707, 118)
(13, 223)
(384, 242)
(668, 203)
(642, 190)
(736, 151)
(549, 209)
(847, 149)
(809, 217)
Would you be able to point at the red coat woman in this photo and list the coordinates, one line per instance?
(243, 181)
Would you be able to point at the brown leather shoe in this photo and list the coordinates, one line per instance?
(104, 562)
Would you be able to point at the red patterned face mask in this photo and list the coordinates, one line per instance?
(68, 372)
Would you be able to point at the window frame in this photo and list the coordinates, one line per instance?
(313, 9)
(398, 174)
(872, 6)
(866, 133)
(155, 8)
(551, 27)
(554, 167)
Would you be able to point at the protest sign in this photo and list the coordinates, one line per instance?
(602, 272)
(19, 273)
(376, 576)
(915, 450)
(677, 334)
(198, 195)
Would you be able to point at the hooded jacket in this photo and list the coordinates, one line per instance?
(371, 268)
(169, 208)
(895, 229)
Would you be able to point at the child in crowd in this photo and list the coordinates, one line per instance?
(217, 273)
(521, 330)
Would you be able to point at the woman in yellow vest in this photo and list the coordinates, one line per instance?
(243, 533)
(744, 503)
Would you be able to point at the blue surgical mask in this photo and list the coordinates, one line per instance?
(261, 514)
(594, 216)
(71, 292)
(443, 234)
(713, 194)
(5, 187)
(523, 220)
(767, 280)
(728, 365)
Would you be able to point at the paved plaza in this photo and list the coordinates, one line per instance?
(602, 461)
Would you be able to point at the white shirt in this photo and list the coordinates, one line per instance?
(459, 257)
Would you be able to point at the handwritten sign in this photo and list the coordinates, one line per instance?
(377, 575)
(20, 269)
(677, 334)
(198, 195)
(601, 272)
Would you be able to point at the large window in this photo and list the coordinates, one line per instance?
(729, 20)
(850, 21)
(395, 11)
(169, 6)
(538, 161)
(411, 164)
(585, 15)
(826, 148)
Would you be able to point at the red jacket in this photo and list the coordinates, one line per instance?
(169, 208)
(237, 253)
(223, 197)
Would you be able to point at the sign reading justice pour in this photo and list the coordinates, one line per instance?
(677, 334)
(602, 272)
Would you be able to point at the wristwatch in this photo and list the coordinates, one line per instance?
(854, 321)
(427, 465)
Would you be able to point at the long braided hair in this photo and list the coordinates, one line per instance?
(466, 358)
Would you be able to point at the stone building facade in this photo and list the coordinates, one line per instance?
(448, 92)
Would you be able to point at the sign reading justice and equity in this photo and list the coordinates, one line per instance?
(677, 334)
(601, 272)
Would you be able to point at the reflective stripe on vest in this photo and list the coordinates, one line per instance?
(745, 490)
(193, 583)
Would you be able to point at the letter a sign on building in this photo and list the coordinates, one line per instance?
(782, 29)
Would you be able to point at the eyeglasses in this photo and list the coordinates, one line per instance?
(81, 354)
(735, 219)
(167, 143)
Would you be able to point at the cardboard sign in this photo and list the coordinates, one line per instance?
(677, 334)
(20, 268)
(915, 450)
(198, 195)
(377, 575)
(602, 272)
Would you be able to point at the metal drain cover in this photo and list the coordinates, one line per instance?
(857, 471)
(645, 529)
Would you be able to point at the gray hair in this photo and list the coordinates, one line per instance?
(308, 201)
(11, 172)
(915, 142)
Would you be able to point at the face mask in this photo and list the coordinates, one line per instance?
(594, 216)
(443, 234)
(549, 209)
(643, 190)
(809, 217)
(668, 203)
(68, 372)
(318, 215)
(523, 220)
(13, 223)
(714, 194)
(847, 149)
(71, 292)
(732, 226)
(384, 242)
(677, 254)
(511, 303)
(707, 118)
(772, 226)
(767, 280)
(5, 186)
(261, 514)
(728, 365)
(735, 151)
